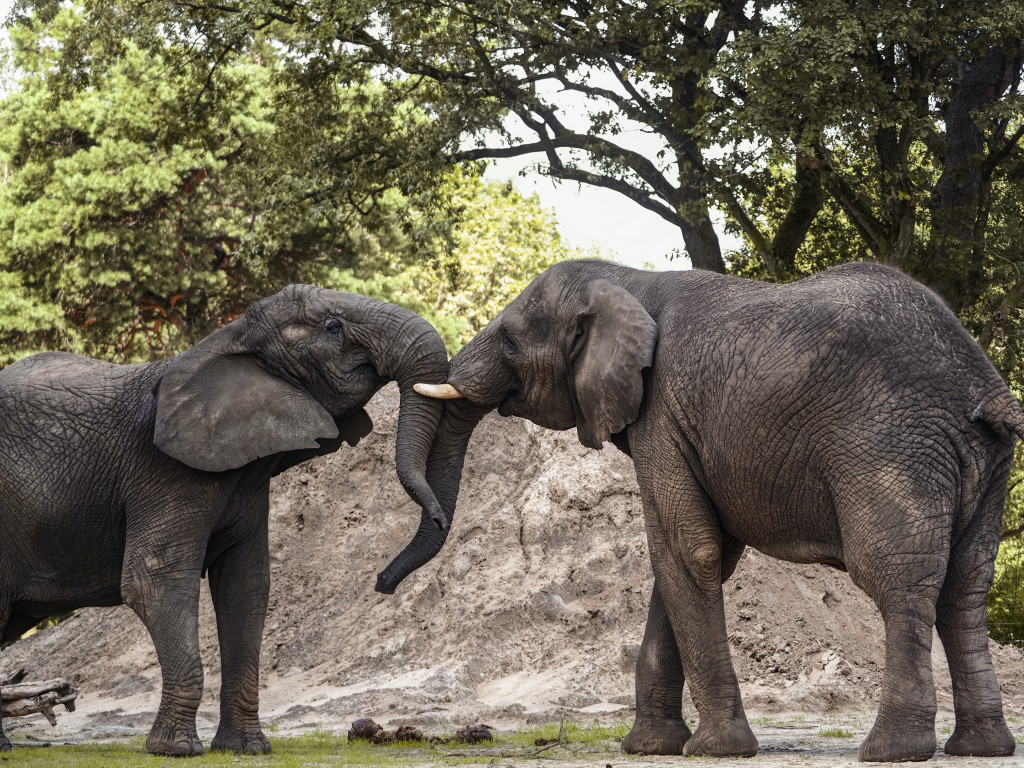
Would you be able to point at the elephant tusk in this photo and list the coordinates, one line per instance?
(438, 391)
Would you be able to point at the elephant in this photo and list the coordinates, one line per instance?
(846, 418)
(129, 483)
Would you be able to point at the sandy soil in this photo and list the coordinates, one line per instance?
(533, 611)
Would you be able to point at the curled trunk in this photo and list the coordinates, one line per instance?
(415, 353)
(443, 475)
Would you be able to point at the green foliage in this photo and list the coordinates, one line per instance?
(116, 211)
(503, 242)
(136, 216)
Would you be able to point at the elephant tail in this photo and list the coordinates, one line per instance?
(1002, 414)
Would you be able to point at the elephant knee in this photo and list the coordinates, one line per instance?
(707, 557)
(705, 565)
(129, 591)
(133, 591)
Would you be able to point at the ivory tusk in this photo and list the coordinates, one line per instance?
(439, 391)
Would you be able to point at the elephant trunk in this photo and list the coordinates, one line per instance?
(416, 353)
(443, 475)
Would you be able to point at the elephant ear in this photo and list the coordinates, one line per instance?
(218, 408)
(614, 342)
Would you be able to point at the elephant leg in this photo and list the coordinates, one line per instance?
(240, 586)
(961, 621)
(903, 572)
(686, 553)
(659, 728)
(904, 728)
(160, 582)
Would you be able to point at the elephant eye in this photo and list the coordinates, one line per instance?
(508, 344)
(333, 327)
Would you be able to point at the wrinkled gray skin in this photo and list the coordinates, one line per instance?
(845, 419)
(126, 483)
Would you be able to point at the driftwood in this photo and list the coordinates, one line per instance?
(20, 698)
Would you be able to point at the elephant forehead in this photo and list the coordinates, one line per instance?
(550, 299)
(300, 305)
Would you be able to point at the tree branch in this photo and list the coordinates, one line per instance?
(750, 229)
(620, 186)
(859, 211)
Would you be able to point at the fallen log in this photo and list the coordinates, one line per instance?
(18, 698)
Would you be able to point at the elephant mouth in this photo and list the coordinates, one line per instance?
(513, 404)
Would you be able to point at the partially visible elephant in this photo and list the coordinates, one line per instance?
(845, 419)
(127, 483)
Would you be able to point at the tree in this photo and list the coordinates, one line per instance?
(499, 243)
(135, 218)
(472, 63)
(728, 89)
(117, 217)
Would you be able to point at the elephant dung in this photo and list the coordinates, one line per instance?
(364, 729)
(473, 734)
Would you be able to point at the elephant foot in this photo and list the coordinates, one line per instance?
(989, 739)
(898, 744)
(656, 737)
(5, 744)
(241, 742)
(730, 738)
(174, 742)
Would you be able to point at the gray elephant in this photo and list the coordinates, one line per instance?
(126, 483)
(845, 419)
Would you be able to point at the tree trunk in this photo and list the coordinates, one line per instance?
(807, 202)
(699, 234)
(956, 257)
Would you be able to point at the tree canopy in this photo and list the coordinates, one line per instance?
(135, 218)
(895, 124)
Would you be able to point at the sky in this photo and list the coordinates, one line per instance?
(590, 216)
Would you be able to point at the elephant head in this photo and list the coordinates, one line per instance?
(569, 351)
(291, 377)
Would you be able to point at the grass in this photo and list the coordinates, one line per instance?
(325, 749)
(835, 732)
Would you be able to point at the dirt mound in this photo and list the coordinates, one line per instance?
(534, 609)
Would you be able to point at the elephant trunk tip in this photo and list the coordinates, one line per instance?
(385, 584)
